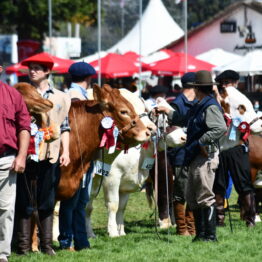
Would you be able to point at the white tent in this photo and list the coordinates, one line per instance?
(158, 30)
(218, 57)
(157, 56)
(92, 58)
(250, 64)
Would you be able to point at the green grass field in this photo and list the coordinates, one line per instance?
(142, 243)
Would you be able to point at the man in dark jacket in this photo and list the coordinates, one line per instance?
(205, 125)
(184, 218)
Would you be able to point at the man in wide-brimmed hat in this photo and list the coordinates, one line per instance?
(43, 174)
(205, 125)
(234, 157)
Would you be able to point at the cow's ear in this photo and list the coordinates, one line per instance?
(101, 95)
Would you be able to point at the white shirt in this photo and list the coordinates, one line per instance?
(236, 98)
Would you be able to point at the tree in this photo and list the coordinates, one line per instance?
(29, 18)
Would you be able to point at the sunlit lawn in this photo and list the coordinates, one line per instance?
(142, 243)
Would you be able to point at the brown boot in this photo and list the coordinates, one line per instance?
(179, 212)
(23, 235)
(46, 234)
(220, 210)
(190, 222)
(248, 207)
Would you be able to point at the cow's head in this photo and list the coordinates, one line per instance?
(113, 104)
(140, 108)
(36, 105)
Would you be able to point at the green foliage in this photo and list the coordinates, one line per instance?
(141, 244)
(30, 17)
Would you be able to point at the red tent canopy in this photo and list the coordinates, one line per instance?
(134, 57)
(115, 65)
(60, 66)
(175, 65)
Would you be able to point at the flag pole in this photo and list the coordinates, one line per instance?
(185, 38)
(99, 40)
(140, 45)
(50, 25)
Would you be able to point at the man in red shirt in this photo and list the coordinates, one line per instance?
(14, 141)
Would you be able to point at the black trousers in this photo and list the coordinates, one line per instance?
(41, 179)
(180, 183)
(236, 161)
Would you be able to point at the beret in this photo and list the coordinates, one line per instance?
(41, 58)
(81, 69)
(188, 78)
(158, 89)
(227, 74)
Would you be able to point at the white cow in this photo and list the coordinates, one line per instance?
(127, 174)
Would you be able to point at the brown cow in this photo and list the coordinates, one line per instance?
(36, 105)
(86, 132)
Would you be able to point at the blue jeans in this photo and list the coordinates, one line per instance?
(72, 216)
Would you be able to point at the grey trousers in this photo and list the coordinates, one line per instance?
(7, 204)
(200, 182)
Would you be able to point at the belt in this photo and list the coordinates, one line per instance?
(8, 153)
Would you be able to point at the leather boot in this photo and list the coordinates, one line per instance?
(46, 233)
(248, 207)
(23, 235)
(190, 222)
(210, 223)
(199, 224)
(220, 210)
(180, 217)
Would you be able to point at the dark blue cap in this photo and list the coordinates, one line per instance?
(188, 78)
(227, 75)
(158, 90)
(81, 69)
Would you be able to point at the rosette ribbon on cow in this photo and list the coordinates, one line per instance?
(244, 129)
(110, 134)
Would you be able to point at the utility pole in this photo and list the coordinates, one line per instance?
(50, 25)
(99, 40)
(186, 47)
(140, 45)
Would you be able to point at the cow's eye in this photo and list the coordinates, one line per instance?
(124, 112)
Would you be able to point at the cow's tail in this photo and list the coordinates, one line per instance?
(149, 187)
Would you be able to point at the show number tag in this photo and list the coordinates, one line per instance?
(148, 163)
(107, 122)
(101, 169)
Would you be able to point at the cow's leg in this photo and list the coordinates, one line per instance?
(123, 198)
(89, 208)
(89, 229)
(34, 237)
(111, 195)
(56, 222)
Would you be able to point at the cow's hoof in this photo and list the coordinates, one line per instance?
(35, 249)
(165, 223)
(113, 234)
(91, 235)
(122, 233)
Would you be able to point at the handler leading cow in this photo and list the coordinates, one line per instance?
(205, 125)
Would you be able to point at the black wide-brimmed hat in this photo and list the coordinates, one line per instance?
(158, 90)
(202, 78)
(228, 75)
